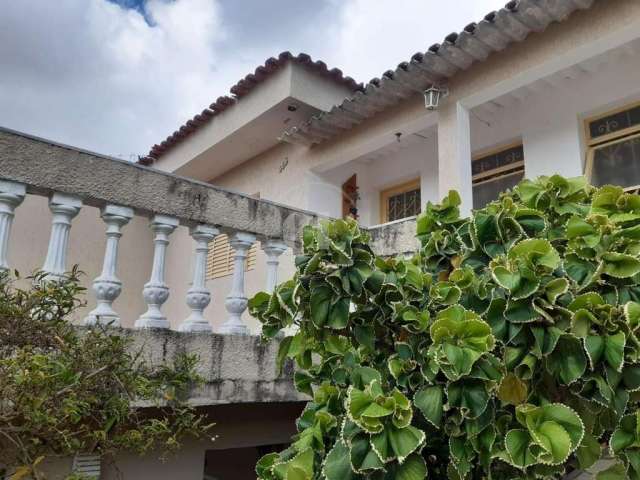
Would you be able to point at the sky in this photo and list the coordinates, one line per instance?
(117, 76)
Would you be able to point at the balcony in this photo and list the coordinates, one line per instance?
(141, 237)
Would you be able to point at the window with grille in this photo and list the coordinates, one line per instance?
(220, 259)
(613, 155)
(401, 201)
(496, 171)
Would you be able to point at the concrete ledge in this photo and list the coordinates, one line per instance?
(395, 238)
(46, 167)
(236, 368)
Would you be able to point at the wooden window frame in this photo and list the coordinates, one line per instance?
(609, 139)
(505, 170)
(395, 190)
(515, 168)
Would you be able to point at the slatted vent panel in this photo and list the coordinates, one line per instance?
(220, 260)
(87, 465)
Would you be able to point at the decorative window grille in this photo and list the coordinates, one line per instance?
(613, 155)
(496, 171)
(220, 259)
(401, 201)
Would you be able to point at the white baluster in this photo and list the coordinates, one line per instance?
(63, 207)
(273, 250)
(11, 195)
(198, 297)
(155, 290)
(107, 286)
(236, 301)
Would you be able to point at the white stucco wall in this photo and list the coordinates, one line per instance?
(412, 157)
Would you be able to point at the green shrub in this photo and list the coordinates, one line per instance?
(65, 390)
(506, 348)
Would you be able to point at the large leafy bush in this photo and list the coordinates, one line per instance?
(506, 348)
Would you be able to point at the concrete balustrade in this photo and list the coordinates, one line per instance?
(63, 209)
(273, 249)
(11, 195)
(198, 296)
(236, 301)
(156, 291)
(107, 286)
(74, 183)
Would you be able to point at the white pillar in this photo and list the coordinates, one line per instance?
(107, 286)
(454, 154)
(236, 301)
(273, 250)
(155, 290)
(11, 195)
(198, 296)
(553, 146)
(63, 208)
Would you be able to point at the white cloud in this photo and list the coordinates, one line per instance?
(98, 76)
(371, 37)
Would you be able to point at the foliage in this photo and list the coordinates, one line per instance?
(65, 390)
(506, 348)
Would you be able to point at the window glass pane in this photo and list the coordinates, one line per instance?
(499, 159)
(403, 205)
(617, 163)
(486, 192)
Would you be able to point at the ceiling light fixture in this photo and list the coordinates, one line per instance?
(433, 95)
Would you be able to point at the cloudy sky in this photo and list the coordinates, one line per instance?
(116, 76)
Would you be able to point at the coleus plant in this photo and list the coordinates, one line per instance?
(507, 347)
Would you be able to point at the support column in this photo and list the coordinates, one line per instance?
(155, 291)
(198, 296)
(63, 208)
(236, 301)
(11, 195)
(107, 286)
(454, 154)
(273, 250)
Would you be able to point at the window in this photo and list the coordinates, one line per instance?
(220, 259)
(401, 201)
(495, 171)
(613, 155)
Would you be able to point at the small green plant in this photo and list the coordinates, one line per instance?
(65, 390)
(506, 348)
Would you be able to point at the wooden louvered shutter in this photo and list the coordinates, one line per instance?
(220, 259)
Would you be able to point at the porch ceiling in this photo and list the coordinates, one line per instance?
(458, 52)
(560, 79)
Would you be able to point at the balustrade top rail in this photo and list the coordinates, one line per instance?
(46, 167)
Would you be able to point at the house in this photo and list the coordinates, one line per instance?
(537, 88)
